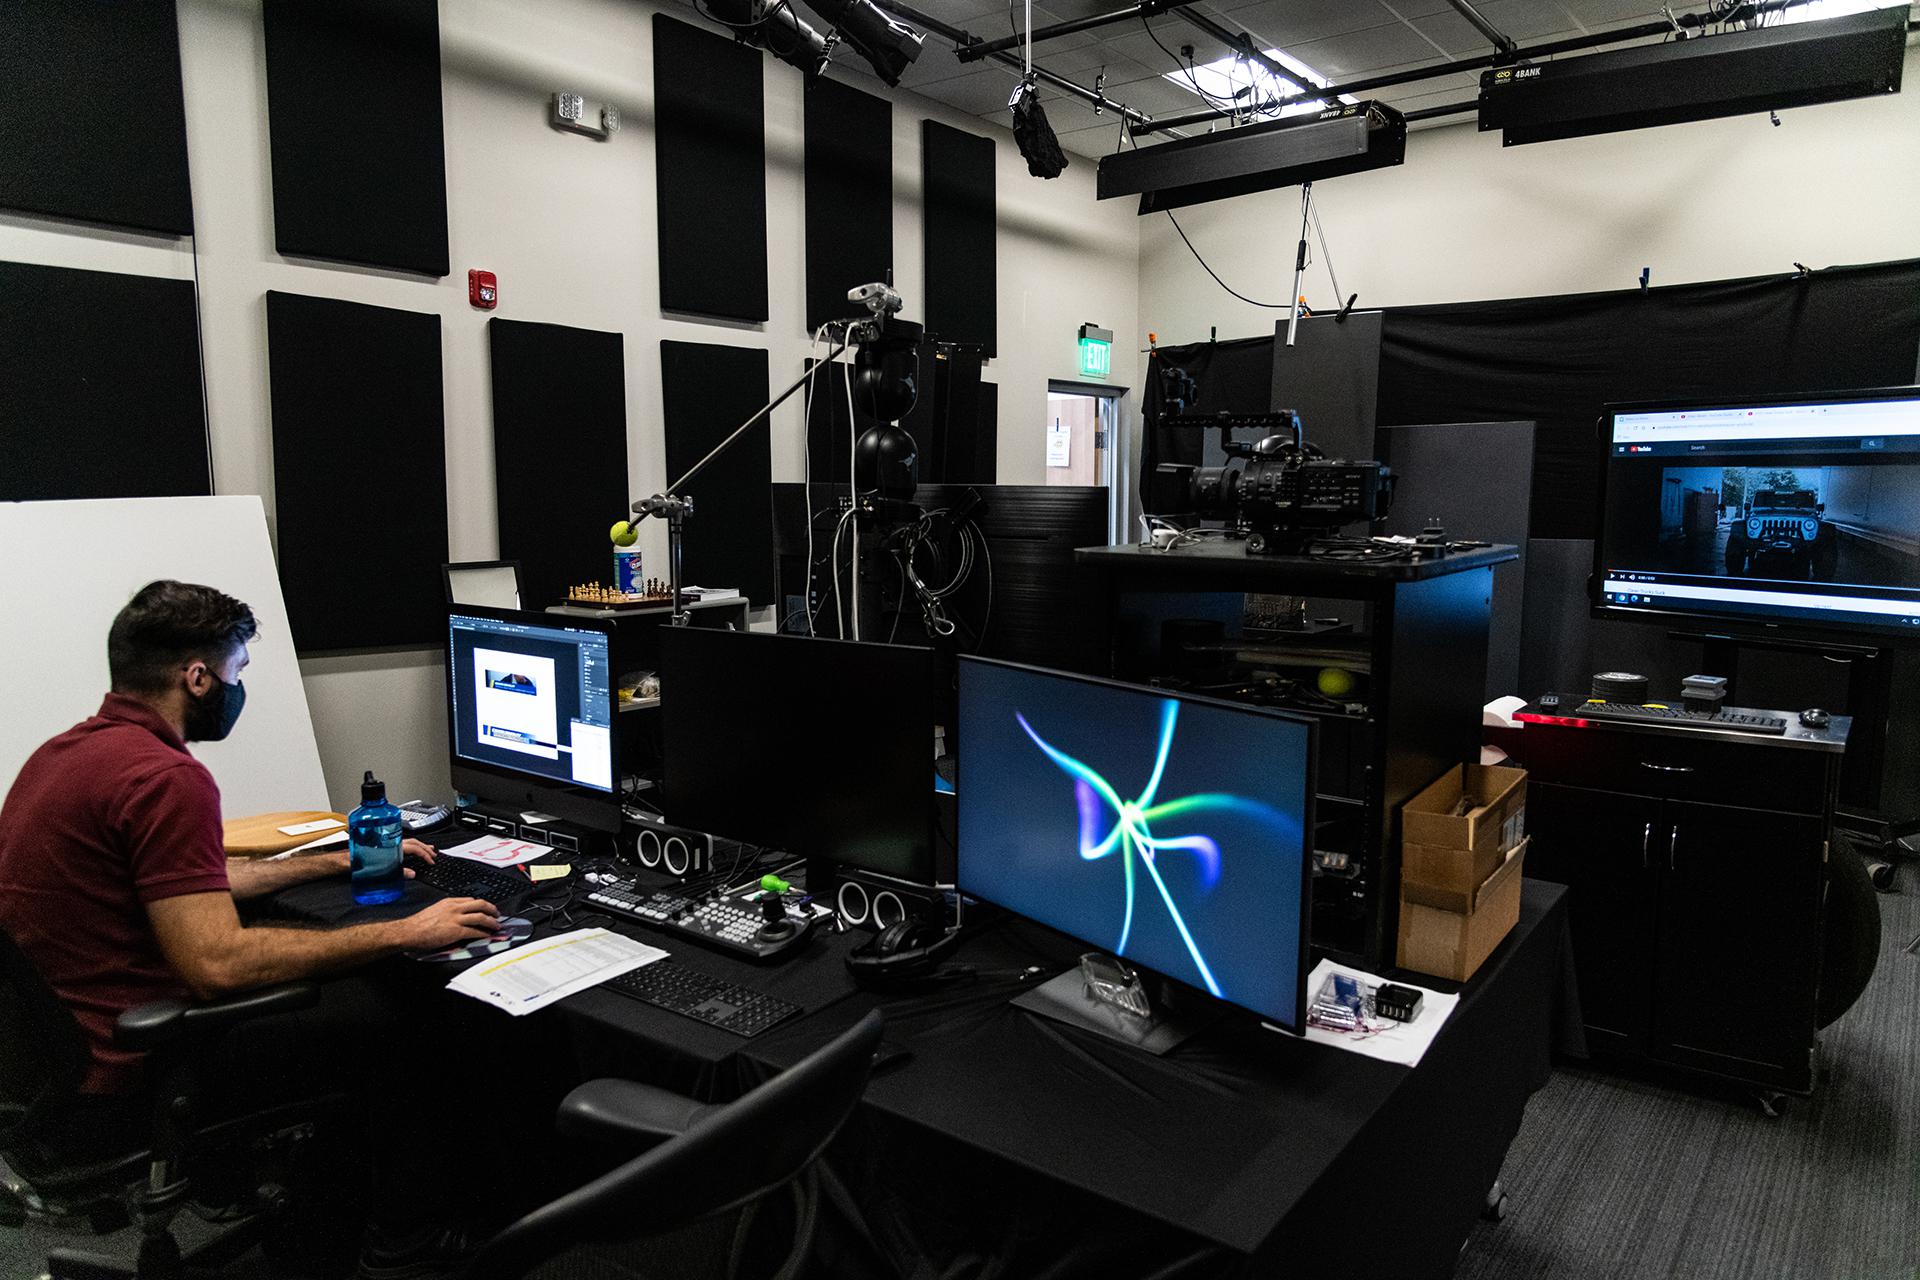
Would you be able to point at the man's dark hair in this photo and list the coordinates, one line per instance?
(168, 624)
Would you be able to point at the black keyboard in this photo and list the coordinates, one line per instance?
(729, 924)
(693, 994)
(465, 878)
(1657, 714)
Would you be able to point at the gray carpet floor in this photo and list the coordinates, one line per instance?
(1612, 1177)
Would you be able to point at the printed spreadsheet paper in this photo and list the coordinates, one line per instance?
(534, 976)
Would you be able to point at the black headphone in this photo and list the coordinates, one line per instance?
(903, 951)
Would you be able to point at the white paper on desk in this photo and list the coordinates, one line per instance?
(1405, 1042)
(551, 969)
(498, 851)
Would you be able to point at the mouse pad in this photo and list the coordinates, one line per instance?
(512, 930)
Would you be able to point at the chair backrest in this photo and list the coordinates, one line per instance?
(730, 1156)
(43, 1056)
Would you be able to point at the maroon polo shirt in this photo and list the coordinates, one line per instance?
(111, 815)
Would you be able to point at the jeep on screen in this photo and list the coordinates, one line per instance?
(1783, 534)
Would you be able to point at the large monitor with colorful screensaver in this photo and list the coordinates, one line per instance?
(1168, 830)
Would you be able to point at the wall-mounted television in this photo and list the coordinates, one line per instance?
(1800, 512)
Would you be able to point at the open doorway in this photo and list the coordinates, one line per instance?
(1085, 435)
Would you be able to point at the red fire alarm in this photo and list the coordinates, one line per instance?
(482, 290)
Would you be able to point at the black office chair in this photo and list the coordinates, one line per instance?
(698, 1160)
(43, 1059)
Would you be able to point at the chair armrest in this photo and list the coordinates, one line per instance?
(161, 1022)
(623, 1113)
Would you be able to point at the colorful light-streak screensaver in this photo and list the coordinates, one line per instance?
(1166, 831)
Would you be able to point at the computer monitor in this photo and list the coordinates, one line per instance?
(530, 706)
(823, 748)
(1172, 831)
(1798, 511)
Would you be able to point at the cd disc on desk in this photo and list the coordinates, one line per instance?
(511, 931)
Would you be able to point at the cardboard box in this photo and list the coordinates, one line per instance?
(1449, 934)
(1495, 820)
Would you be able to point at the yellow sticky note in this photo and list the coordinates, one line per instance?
(549, 871)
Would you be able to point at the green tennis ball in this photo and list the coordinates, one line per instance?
(623, 534)
(1335, 682)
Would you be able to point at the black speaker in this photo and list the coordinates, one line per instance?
(867, 901)
(677, 851)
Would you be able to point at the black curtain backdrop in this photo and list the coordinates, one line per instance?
(1556, 361)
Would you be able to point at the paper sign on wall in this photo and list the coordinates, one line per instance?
(1058, 439)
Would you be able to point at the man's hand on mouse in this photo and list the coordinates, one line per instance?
(447, 923)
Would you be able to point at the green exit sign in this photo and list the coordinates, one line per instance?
(1096, 351)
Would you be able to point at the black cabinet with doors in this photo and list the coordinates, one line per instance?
(1697, 861)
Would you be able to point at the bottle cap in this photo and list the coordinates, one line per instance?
(372, 790)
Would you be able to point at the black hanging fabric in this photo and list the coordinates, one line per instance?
(1557, 360)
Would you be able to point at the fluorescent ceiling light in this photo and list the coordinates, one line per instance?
(1255, 91)
(1818, 9)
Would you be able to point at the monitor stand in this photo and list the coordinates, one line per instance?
(1178, 1013)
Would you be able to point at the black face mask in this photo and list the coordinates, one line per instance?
(211, 716)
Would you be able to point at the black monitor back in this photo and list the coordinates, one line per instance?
(823, 748)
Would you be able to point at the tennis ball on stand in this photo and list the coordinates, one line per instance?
(1335, 682)
(623, 534)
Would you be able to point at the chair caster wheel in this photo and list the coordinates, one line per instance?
(1495, 1208)
(1772, 1105)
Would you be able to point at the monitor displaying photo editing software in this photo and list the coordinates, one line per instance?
(1801, 511)
(1170, 831)
(530, 704)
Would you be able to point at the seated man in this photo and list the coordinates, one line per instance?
(114, 881)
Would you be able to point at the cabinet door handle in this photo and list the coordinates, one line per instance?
(1673, 844)
(1646, 837)
(1666, 768)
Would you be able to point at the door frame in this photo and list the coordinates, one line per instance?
(1113, 420)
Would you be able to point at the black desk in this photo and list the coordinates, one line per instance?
(1011, 1137)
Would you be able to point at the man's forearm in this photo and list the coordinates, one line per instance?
(265, 954)
(252, 878)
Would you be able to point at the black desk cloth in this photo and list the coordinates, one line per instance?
(1010, 1145)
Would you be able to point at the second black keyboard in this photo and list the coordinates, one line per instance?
(693, 994)
(1658, 714)
(465, 878)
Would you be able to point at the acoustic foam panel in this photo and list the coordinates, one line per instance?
(849, 196)
(559, 451)
(1475, 480)
(353, 115)
(710, 172)
(359, 471)
(99, 386)
(706, 392)
(956, 171)
(92, 124)
(1331, 378)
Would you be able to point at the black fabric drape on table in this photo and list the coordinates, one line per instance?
(1557, 360)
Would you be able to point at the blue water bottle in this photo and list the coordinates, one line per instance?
(373, 836)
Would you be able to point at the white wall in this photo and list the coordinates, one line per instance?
(569, 226)
(1466, 219)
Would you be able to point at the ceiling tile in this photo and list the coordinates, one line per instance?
(974, 93)
(1358, 53)
(1523, 20)
(1137, 44)
(1454, 34)
(1283, 23)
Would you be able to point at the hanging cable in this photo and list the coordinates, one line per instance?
(853, 501)
(1271, 306)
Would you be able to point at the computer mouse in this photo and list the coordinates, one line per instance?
(1815, 718)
